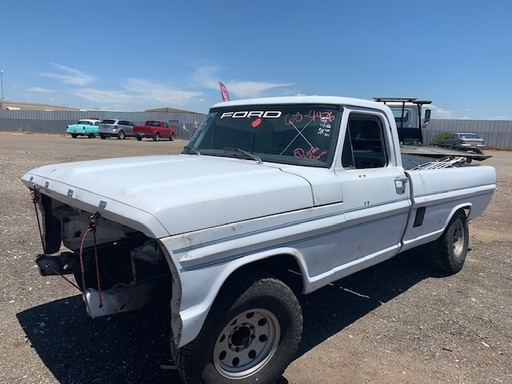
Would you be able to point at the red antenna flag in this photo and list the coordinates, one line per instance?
(224, 92)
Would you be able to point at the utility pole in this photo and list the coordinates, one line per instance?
(2, 82)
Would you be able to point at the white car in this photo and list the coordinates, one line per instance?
(465, 141)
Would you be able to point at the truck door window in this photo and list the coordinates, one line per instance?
(364, 145)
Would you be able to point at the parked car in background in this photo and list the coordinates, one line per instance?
(154, 129)
(465, 141)
(84, 127)
(117, 128)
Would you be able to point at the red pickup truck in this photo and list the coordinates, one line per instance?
(154, 129)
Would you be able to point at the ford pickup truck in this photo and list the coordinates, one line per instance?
(154, 129)
(266, 192)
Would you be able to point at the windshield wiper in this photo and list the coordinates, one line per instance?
(188, 150)
(249, 154)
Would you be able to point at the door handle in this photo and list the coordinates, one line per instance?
(400, 183)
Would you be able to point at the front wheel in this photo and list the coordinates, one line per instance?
(448, 253)
(250, 335)
(171, 137)
(139, 138)
(74, 136)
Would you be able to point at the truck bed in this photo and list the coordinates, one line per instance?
(438, 152)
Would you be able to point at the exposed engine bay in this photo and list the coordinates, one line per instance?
(117, 268)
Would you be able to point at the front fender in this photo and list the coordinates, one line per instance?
(195, 288)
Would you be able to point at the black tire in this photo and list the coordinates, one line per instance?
(121, 135)
(156, 137)
(171, 138)
(103, 137)
(74, 136)
(91, 136)
(139, 137)
(448, 253)
(250, 335)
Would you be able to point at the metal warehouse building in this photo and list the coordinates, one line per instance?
(53, 119)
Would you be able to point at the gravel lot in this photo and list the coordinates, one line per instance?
(398, 322)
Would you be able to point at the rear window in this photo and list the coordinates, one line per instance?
(469, 136)
(106, 121)
(397, 113)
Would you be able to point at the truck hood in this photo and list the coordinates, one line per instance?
(167, 195)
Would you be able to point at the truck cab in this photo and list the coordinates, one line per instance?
(410, 117)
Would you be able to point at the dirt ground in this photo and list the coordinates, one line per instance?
(399, 322)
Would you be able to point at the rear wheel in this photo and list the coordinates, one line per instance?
(448, 253)
(139, 137)
(250, 335)
(103, 137)
(74, 136)
(90, 135)
(156, 137)
(121, 135)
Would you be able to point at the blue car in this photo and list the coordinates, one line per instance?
(84, 127)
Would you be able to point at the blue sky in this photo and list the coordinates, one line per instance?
(136, 55)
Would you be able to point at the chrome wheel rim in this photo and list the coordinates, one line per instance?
(246, 343)
(458, 238)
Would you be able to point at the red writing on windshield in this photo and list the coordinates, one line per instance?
(311, 154)
(297, 117)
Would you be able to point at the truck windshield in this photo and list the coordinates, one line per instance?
(289, 134)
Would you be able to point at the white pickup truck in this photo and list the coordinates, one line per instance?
(266, 191)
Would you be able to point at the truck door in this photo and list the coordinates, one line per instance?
(375, 190)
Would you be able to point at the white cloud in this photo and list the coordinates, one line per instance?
(41, 90)
(140, 93)
(69, 75)
(137, 93)
(102, 95)
(207, 77)
(504, 117)
(441, 113)
(245, 89)
(144, 90)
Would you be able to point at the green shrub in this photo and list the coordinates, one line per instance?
(442, 136)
